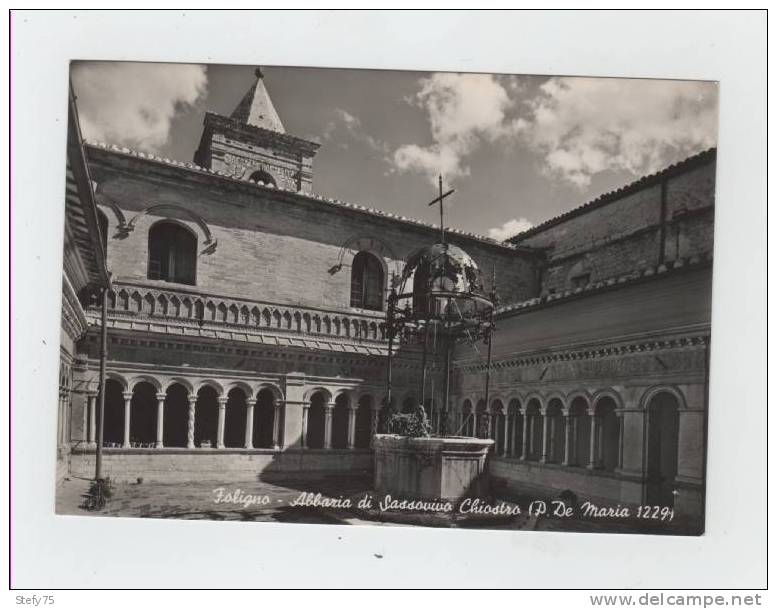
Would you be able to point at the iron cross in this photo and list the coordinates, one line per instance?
(439, 200)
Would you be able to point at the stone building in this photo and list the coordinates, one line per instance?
(84, 274)
(246, 333)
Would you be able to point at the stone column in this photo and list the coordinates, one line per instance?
(374, 415)
(276, 426)
(160, 419)
(127, 417)
(91, 437)
(305, 411)
(525, 443)
(575, 426)
(249, 441)
(220, 427)
(60, 419)
(374, 418)
(619, 414)
(514, 436)
(592, 447)
(544, 415)
(328, 409)
(552, 448)
(190, 423)
(351, 426)
(505, 436)
(567, 439)
(600, 444)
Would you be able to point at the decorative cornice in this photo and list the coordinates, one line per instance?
(590, 352)
(73, 318)
(235, 126)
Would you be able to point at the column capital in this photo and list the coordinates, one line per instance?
(161, 396)
(222, 400)
(127, 395)
(251, 402)
(192, 399)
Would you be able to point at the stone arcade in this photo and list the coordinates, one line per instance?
(247, 337)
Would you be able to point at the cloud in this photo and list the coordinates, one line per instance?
(353, 127)
(134, 104)
(464, 110)
(509, 229)
(584, 126)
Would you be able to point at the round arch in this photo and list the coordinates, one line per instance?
(145, 378)
(579, 394)
(172, 252)
(263, 177)
(497, 399)
(662, 415)
(313, 391)
(650, 393)
(555, 395)
(534, 397)
(119, 378)
(179, 380)
(606, 393)
(212, 384)
(272, 388)
(368, 281)
(168, 207)
(348, 393)
(247, 390)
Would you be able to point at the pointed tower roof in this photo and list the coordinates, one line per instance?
(256, 107)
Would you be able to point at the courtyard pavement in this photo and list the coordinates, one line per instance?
(198, 501)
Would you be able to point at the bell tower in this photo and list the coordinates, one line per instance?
(252, 144)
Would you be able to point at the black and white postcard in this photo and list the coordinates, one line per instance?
(384, 297)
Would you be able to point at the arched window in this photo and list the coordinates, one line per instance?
(367, 282)
(172, 253)
(263, 177)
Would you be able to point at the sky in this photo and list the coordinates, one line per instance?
(518, 149)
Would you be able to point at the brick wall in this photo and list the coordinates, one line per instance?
(273, 246)
(656, 220)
